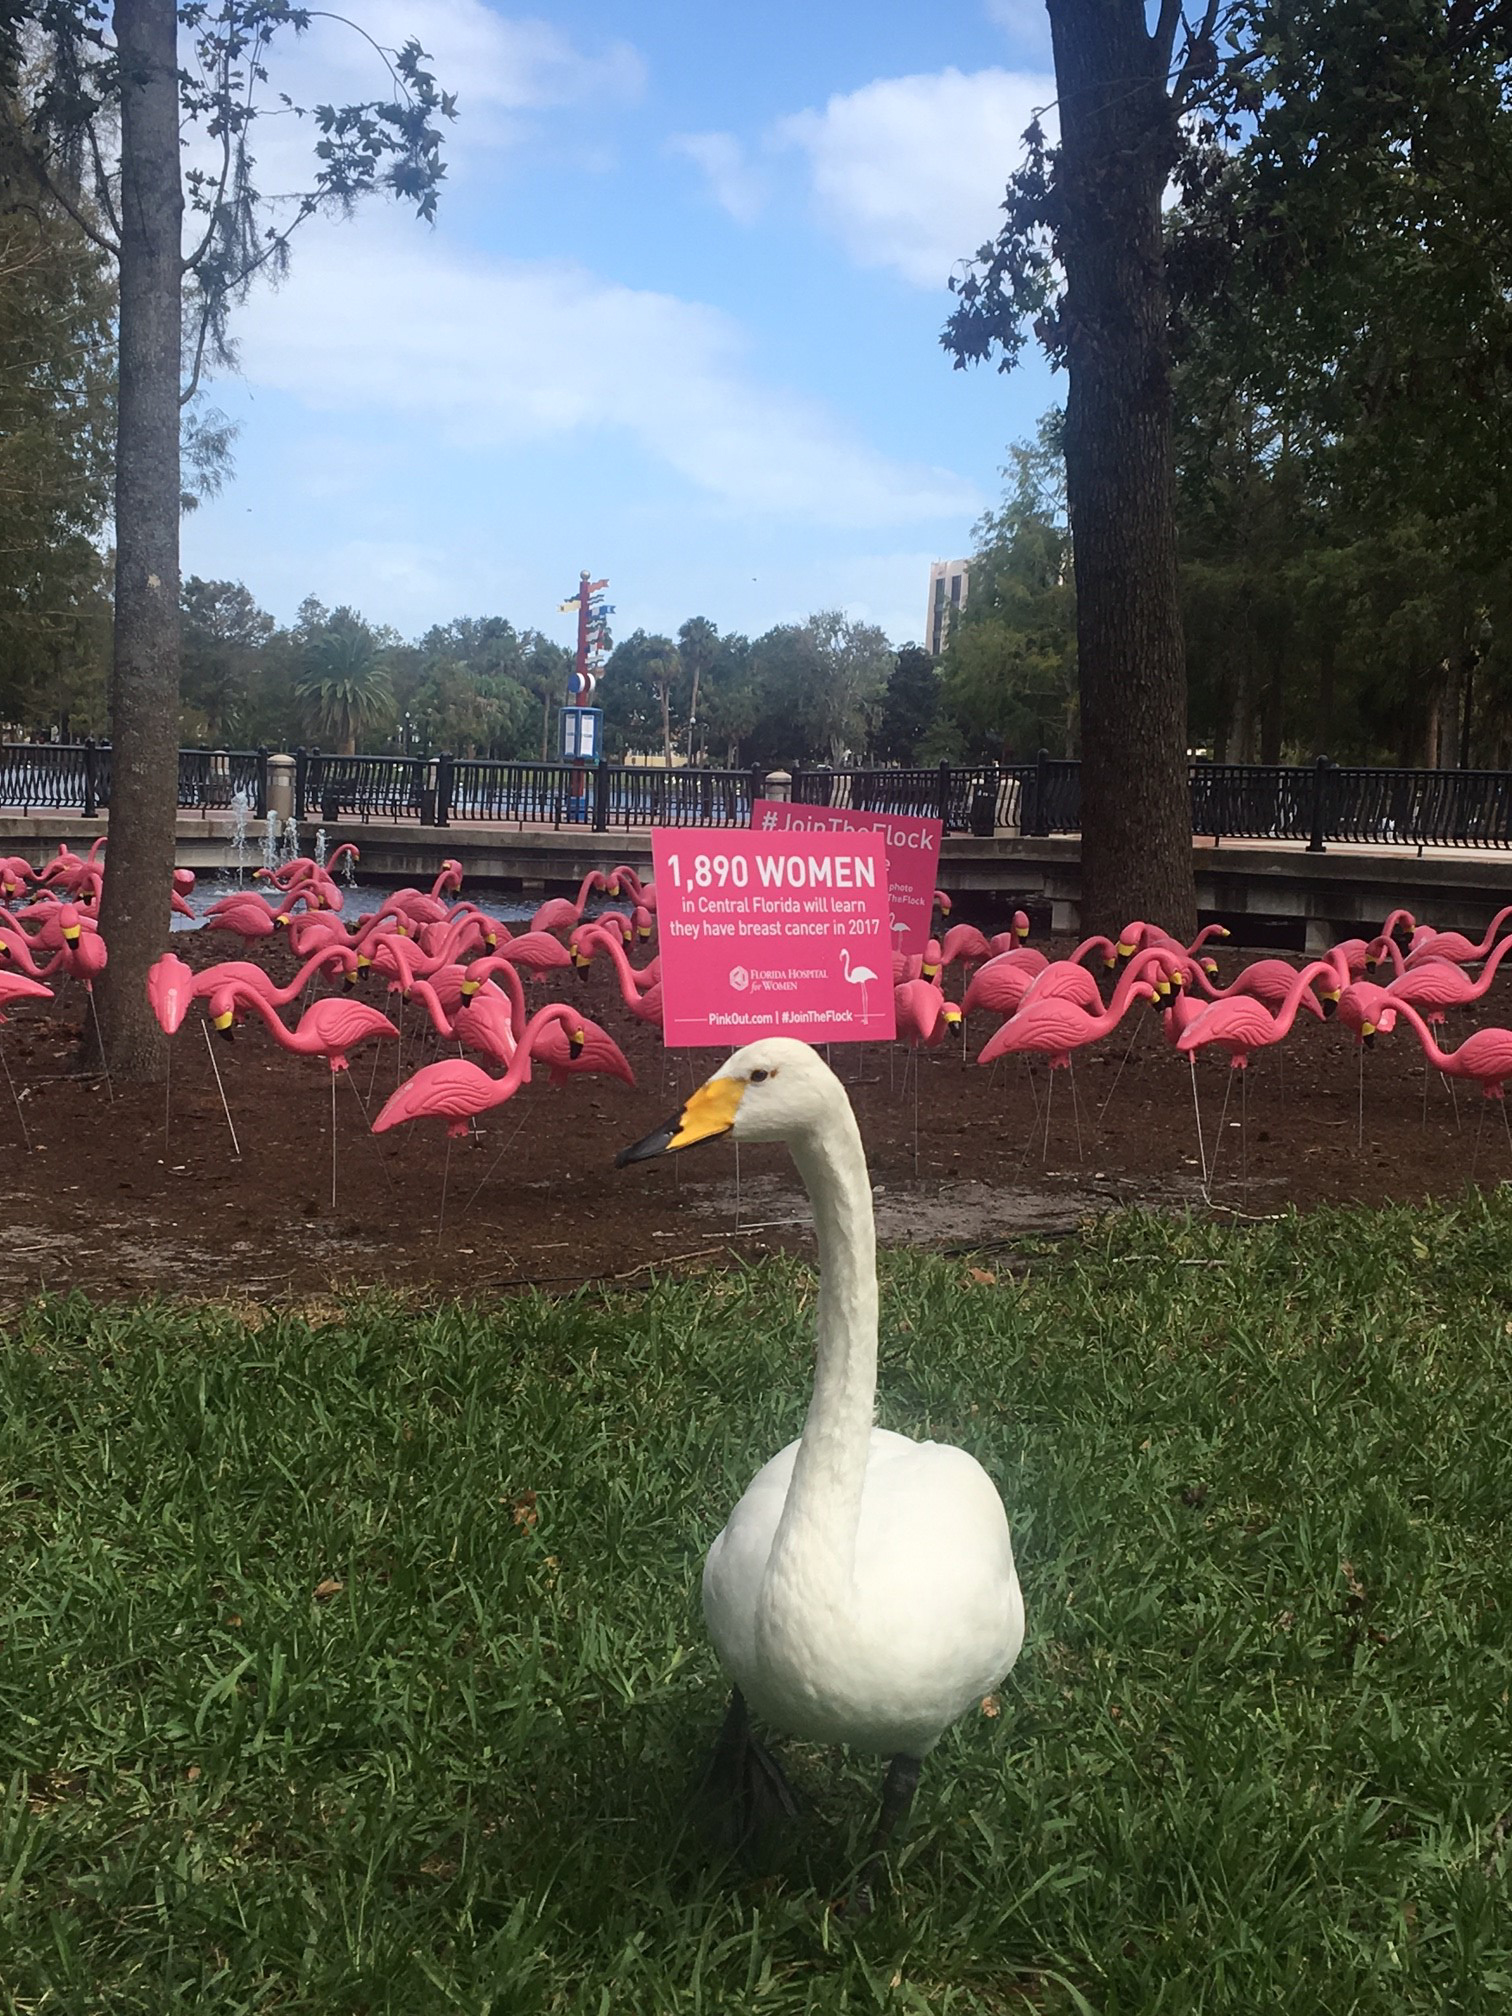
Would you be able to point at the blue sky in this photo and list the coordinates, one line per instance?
(677, 322)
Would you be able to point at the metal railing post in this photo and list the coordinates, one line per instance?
(91, 805)
(1039, 823)
(942, 797)
(1319, 806)
(445, 765)
(260, 808)
(301, 777)
(601, 795)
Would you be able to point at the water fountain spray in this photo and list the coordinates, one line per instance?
(240, 807)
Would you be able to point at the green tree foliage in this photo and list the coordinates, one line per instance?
(344, 680)
(1341, 278)
(104, 105)
(727, 703)
(643, 696)
(910, 707)
(1009, 669)
(473, 686)
(224, 635)
(697, 649)
(57, 423)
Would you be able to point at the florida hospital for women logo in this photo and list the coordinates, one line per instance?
(740, 979)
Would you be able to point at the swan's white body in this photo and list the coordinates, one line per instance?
(863, 1590)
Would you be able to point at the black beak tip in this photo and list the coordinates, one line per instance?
(653, 1145)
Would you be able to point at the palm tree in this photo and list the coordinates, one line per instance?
(345, 681)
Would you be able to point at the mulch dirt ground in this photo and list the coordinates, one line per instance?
(124, 1191)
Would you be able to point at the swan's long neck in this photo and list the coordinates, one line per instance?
(812, 1560)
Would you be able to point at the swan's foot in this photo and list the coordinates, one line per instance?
(744, 1787)
(898, 1789)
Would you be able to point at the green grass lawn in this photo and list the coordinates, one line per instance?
(357, 1665)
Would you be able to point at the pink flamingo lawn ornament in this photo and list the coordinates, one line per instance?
(19, 987)
(170, 990)
(331, 1028)
(644, 1003)
(244, 914)
(458, 1091)
(1485, 1057)
(1240, 1023)
(229, 984)
(1454, 945)
(921, 1016)
(15, 873)
(559, 913)
(1054, 1029)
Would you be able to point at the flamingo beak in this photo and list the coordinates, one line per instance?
(1330, 1002)
(1124, 950)
(952, 1015)
(577, 1043)
(73, 933)
(363, 962)
(223, 1024)
(929, 971)
(469, 988)
(491, 939)
(281, 919)
(612, 889)
(1367, 1032)
(711, 1110)
(1177, 979)
(1210, 966)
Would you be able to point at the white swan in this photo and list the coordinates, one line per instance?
(863, 1590)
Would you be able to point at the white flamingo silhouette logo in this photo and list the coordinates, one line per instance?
(857, 976)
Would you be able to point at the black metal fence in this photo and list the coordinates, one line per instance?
(437, 790)
(1309, 802)
(75, 777)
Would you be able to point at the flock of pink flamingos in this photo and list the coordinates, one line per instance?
(468, 972)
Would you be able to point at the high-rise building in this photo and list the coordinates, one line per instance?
(948, 583)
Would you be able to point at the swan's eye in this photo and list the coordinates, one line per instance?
(759, 1077)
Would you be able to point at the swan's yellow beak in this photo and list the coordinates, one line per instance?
(710, 1111)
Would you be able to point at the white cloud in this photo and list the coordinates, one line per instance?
(733, 183)
(491, 353)
(505, 72)
(908, 172)
(1025, 21)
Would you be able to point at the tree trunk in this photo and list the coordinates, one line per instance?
(134, 909)
(693, 712)
(1117, 146)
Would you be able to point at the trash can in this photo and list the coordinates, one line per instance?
(983, 812)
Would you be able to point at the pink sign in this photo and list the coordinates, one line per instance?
(913, 856)
(772, 934)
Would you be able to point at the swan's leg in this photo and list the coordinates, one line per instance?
(744, 1783)
(898, 1789)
